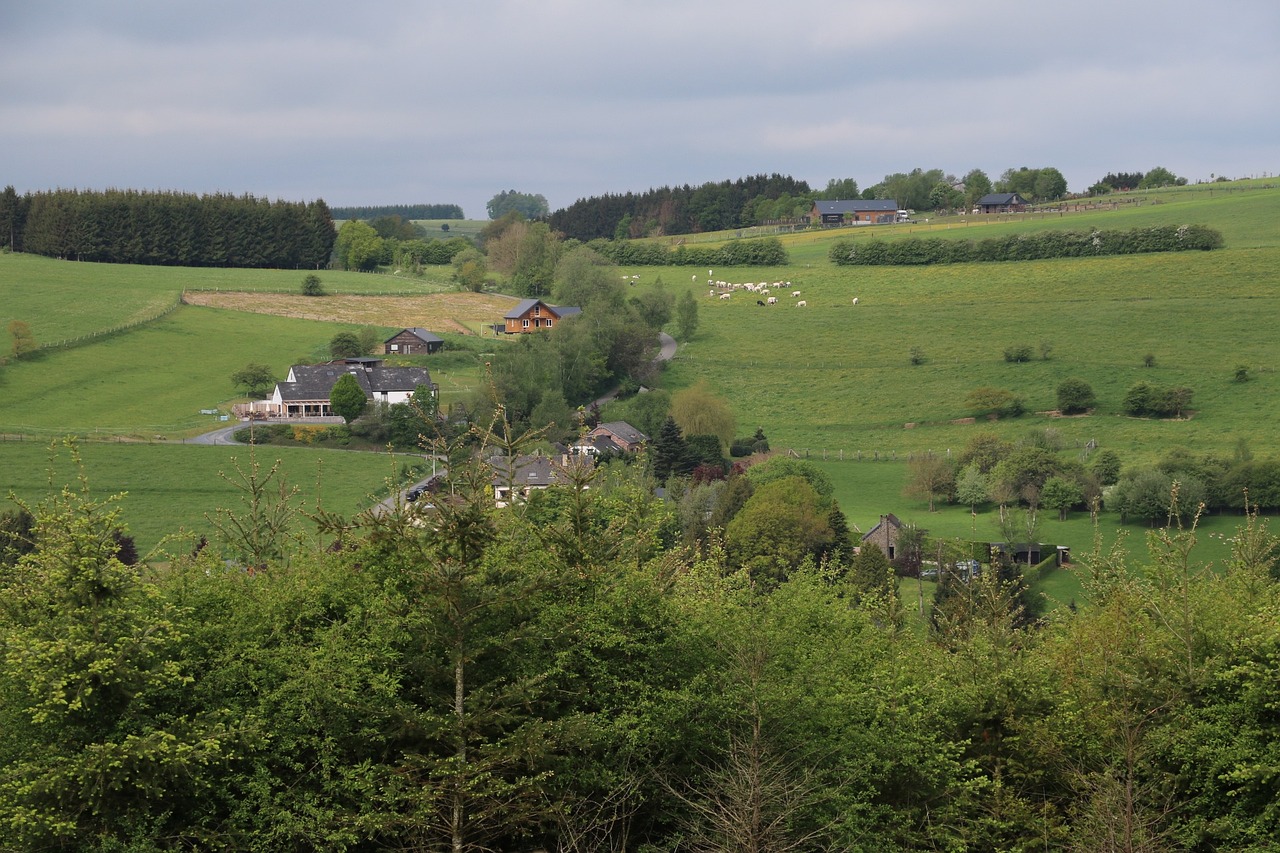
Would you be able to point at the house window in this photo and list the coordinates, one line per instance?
(537, 310)
(525, 323)
(548, 322)
(395, 347)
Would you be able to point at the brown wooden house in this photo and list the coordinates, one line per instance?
(413, 341)
(533, 315)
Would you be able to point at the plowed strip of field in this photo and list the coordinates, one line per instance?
(459, 313)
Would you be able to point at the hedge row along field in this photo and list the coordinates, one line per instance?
(1045, 245)
(765, 252)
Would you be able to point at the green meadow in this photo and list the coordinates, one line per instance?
(170, 487)
(837, 378)
(831, 381)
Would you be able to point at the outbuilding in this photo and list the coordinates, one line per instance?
(413, 341)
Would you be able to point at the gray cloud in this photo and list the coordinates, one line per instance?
(451, 103)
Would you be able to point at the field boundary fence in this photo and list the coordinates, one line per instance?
(70, 343)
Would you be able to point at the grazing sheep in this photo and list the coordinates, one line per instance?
(855, 300)
(795, 293)
(725, 295)
(773, 300)
(802, 304)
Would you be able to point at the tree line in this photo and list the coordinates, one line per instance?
(404, 211)
(169, 228)
(568, 675)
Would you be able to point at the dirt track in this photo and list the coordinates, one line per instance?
(436, 312)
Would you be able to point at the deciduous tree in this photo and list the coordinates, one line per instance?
(347, 399)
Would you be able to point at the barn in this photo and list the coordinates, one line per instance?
(856, 211)
(1001, 203)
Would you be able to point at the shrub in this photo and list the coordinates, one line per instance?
(1075, 395)
(311, 286)
(1019, 353)
(995, 401)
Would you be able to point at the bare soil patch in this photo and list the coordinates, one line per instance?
(456, 313)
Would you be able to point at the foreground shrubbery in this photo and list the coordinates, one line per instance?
(1034, 246)
(559, 676)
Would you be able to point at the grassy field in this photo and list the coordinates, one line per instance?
(849, 384)
(831, 380)
(170, 486)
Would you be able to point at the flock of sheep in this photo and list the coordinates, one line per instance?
(726, 289)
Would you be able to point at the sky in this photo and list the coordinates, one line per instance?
(423, 101)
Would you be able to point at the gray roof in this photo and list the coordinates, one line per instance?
(527, 304)
(421, 334)
(523, 471)
(316, 381)
(625, 431)
(870, 205)
(1002, 198)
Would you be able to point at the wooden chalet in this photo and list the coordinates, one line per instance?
(413, 341)
(1000, 203)
(854, 211)
(533, 315)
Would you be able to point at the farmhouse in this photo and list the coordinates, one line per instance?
(854, 211)
(532, 315)
(516, 479)
(1001, 203)
(612, 437)
(413, 341)
(305, 393)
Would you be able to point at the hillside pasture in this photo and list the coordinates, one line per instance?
(64, 300)
(171, 486)
(838, 376)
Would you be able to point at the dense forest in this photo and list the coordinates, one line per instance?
(677, 210)
(404, 211)
(568, 675)
(169, 229)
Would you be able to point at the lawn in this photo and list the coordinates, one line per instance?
(172, 486)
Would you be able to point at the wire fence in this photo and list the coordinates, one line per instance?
(93, 337)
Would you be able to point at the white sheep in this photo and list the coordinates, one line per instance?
(855, 300)
(795, 293)
(725, 295)
(772, 300)
(801, 304)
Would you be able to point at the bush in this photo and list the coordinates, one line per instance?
(1075, 395)
(1019, 353)
(995, 401)
(311, 286)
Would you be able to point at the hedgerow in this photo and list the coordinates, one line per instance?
(920, 251)
(765, 252)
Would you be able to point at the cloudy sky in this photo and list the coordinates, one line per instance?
(425, 101)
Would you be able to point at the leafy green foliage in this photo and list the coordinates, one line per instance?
(312, 286)
(346, 345)
(347, 398)
(1074, 396)
(256, 379)
(916, 251)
